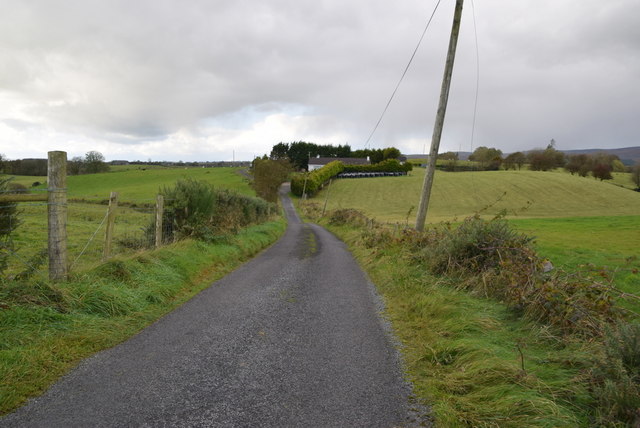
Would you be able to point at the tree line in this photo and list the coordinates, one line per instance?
(599, 165)
(299, 152)
(92, 163)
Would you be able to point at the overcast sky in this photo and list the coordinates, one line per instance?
(202, 79)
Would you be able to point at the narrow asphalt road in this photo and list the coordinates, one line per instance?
(291, 339)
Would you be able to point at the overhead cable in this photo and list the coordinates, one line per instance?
(403, 74)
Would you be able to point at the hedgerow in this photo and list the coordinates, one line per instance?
(389, 165)
(315, 179)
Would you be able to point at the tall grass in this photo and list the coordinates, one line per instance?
(490, 338)
(48, 328)
(468, 357)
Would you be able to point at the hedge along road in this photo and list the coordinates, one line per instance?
(292, 338)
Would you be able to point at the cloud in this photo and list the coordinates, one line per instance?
(165, 76)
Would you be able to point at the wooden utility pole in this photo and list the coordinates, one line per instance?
(442, 108)
(57, 215)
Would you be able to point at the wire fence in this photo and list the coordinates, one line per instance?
(26, 250)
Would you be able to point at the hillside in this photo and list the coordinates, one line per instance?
(628, 155)
(525, 194)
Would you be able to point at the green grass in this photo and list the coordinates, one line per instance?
(460, 194)
(603, 242)
(137, 188)
(141, 184)
(462, 353)
(48, 329)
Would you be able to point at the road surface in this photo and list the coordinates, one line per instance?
(293, 338)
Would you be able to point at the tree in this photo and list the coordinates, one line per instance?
(75, 166)
(602, 171)
(268, 175)
(448, 156)
(635, 175)
(390, 153)
(2, 163)
(94, 163)
(580, 164)
(280, 151)
(547, 159)
(487, 157)
(514, 160)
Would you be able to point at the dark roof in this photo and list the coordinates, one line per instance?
(346, 161)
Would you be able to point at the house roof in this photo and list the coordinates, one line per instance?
(346, 161)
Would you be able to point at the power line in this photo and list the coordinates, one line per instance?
(366, 144)
(475, 104)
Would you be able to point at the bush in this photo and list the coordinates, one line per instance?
(197, 209)
(9, 220)
(347, 216)
(488, 258)
(616, 376)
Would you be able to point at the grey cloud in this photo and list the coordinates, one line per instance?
(134, 71)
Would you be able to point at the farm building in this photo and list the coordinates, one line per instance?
(318, 162)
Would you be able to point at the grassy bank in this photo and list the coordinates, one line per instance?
(471, 358)
(48, 329)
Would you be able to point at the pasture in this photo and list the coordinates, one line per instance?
(87, 195)
(576, 220)
(456, 195)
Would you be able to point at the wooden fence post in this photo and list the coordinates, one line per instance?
(111, 219)
(57, 214)
(324, 208)
(159, 217)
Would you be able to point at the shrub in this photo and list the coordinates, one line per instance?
(9, 220)
(348, 216)
(488, 258)
(197, 209)
(616, 376)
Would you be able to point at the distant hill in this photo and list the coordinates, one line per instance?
(628, 155)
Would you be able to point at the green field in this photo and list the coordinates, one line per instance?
(143, 184)
(525, 194)
(137, 189)
(576, 220)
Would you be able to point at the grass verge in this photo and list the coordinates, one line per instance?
(470, 358)
(47, 329)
